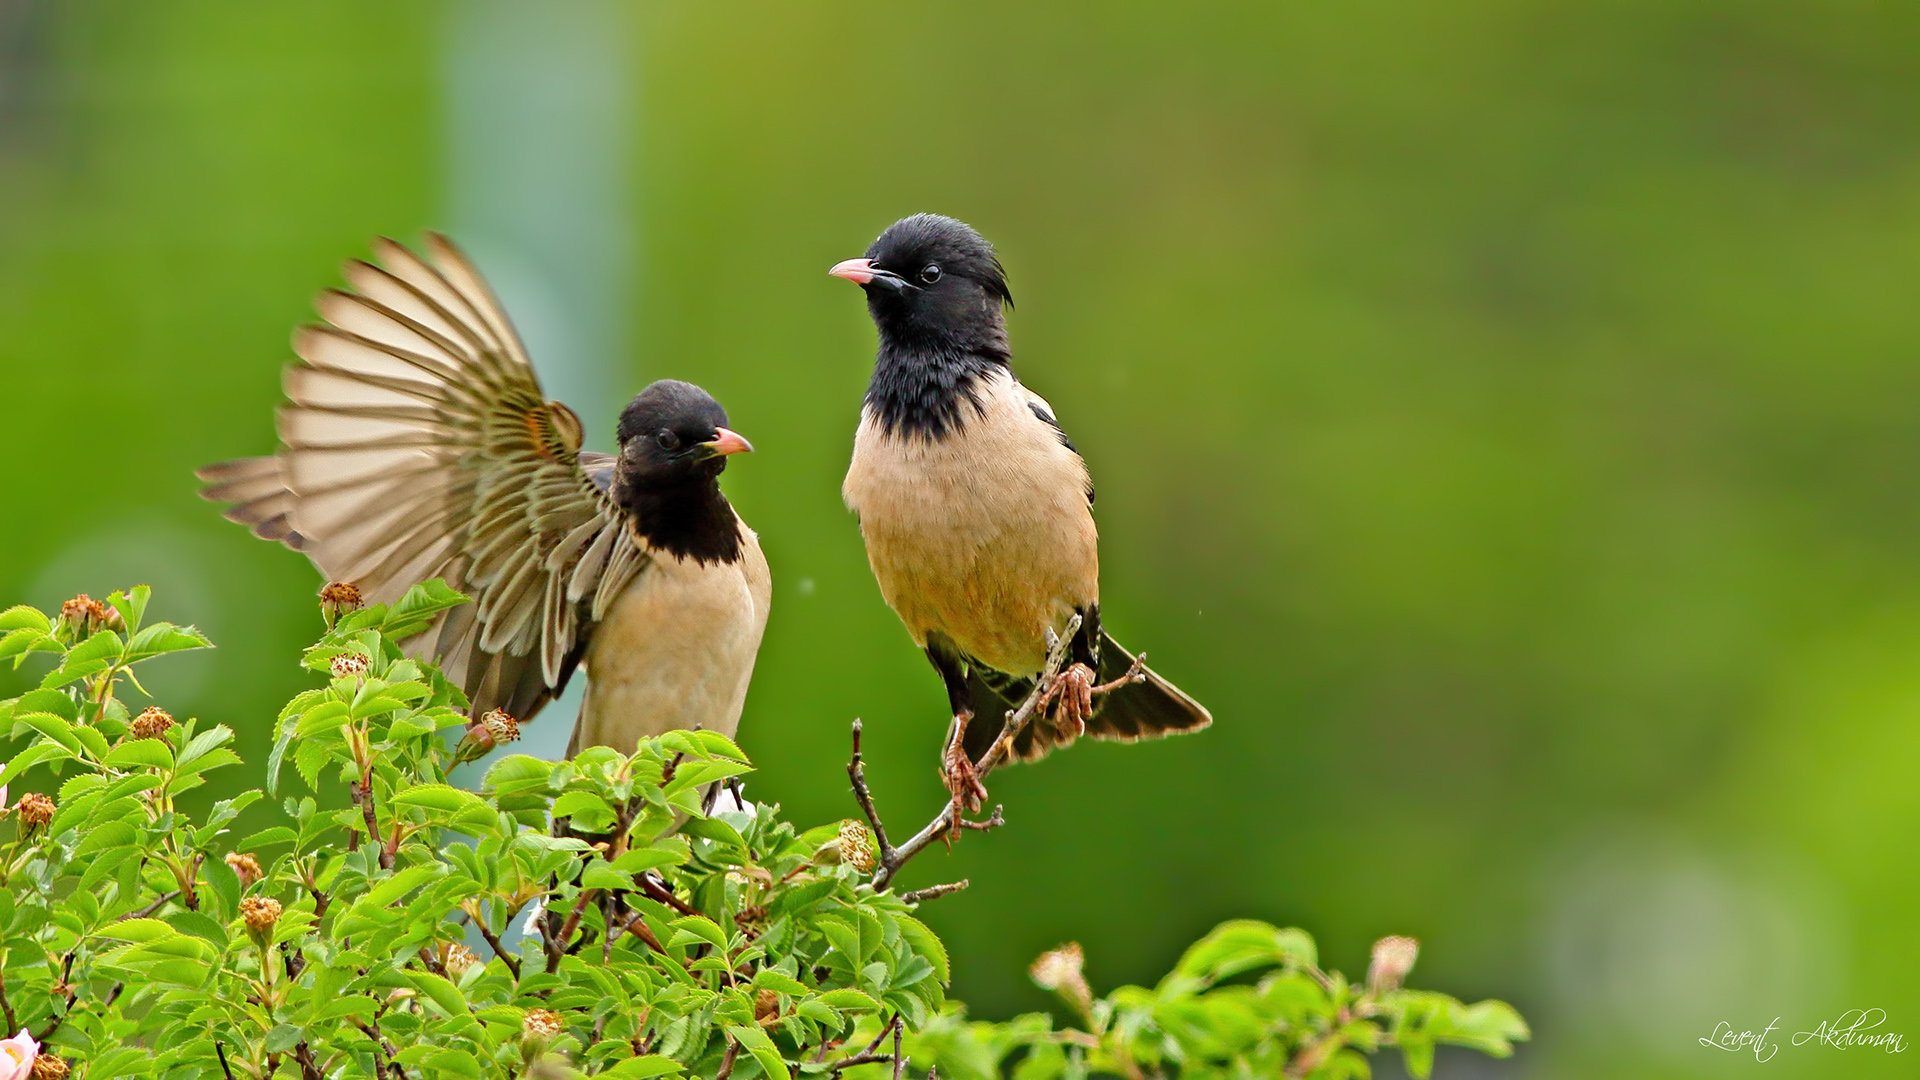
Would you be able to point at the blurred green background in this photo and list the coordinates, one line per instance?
(1505, 417)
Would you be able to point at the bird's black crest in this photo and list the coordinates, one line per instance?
(939, 310)
(670, 404)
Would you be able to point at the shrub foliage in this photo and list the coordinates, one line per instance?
(569, 918)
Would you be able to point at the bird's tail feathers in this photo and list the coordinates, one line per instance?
(1150, 709)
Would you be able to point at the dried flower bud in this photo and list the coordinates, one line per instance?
(458, 960)
(348, 665)
(83, 614)
(337, 598)
(766, 1007)
(1393, 957)
(542, 1026)
(152, 723)
(501, 727)
(49, 1067)
(34, 809)
(856, 846)
(1061, 971)
(246, 866)
(260, 913)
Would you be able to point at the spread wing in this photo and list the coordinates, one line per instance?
(418, 445)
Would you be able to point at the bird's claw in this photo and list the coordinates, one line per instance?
(1069, 701)
(957, 771)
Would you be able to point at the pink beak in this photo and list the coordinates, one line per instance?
(858, 271)
(727, 442)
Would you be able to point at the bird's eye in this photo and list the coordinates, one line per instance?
(930, 273)
(667, 440)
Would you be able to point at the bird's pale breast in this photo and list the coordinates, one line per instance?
(676, 650)
(983, 534)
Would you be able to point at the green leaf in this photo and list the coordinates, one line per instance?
(638, 860)
(456, 1062)
(90, 656)
(847, 999)
(57, 702)
(927, 944)
(141, 754)
(131, 604)
(413, 612)
(761, 1047)
(600, 875)
(20, 616)
(162, 638)
(136, 930)
(779, 982)
(326, 716)
(1240, 945)
(279, 834)
(283, 1038)
(204, 742)
(28, 758)
(443, 797)
(105, 835)
(53, 728)
(25, 640)
(592, 811)
(644, 1067)
(702, 929)
(444, 994)
(198, 925)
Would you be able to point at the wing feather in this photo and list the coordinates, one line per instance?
(418, 444)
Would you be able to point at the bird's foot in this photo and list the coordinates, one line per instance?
(957, 771)
(1069, 701)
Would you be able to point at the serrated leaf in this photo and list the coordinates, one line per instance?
(22, 616)
(925, 942)
(600, 875)
(162, 638)
(442, 797)
(53, 728)
(644, 1067)
(444, 994)
(141, 754)
(278, 834)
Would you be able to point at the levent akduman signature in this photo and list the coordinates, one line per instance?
(1856, 1028)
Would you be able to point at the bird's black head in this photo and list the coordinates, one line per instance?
(933, 282)
(674, 444)
(673, 432)
(937, 294)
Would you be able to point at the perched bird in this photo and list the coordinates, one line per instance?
(418, 445)
(977, 511)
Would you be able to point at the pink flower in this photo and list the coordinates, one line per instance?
(16, 1056)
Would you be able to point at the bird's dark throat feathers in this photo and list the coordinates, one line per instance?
(930, 390)
(691, 519)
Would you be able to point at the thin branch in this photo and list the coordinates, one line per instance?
(655, 890)
(6, 1007)
(499, 950)
(150, 908)
(363, 797)
(222, 1051)
(726, 1063)
(892, 859)
(899, 1059)
(557, 946)
(856, 772)
(934, 892)
(637, 926)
